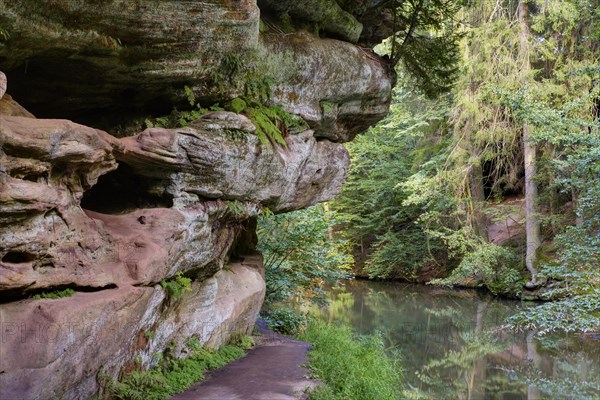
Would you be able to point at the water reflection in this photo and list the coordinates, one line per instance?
(453, 348)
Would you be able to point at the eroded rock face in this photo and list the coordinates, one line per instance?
(367, 22)
(96, 54)
(111, 218)
(168, 200)
(357, 92)
(57, 348)
(114, 218)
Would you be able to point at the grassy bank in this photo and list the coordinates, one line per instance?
(351, 366)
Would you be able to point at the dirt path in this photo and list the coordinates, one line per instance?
(271, 371)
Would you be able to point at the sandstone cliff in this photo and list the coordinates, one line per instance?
(114, 217)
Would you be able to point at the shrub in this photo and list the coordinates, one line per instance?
(285, 320)
(244, 342)
(175, 375)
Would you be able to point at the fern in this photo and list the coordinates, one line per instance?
(273, 124)
(55, 294)
(177, 286)
(266, 126)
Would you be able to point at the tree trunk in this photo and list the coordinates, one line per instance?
(478, 200)
(532, 222)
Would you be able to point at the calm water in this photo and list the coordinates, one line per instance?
(452, 348)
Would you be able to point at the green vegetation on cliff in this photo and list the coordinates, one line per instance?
(57, 294)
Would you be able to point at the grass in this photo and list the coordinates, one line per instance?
(174, 375)
(352, 367)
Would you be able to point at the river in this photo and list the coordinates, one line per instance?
(452, 345)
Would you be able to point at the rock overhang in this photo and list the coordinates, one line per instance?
(106, 64)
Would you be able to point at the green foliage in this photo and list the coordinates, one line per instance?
(285, 321)
(273, 124)
(491, 266)
(231, 64)
(427, 44)
(269, 125)
(57, 294)
(301, 256)
(182, 118)
(351, 366)
(421, 182)
(258, 88)
(177, 286)
(244, 342)
(175, 375)
(237, 105)
(381, 228)
(236, 208)
(575, 314)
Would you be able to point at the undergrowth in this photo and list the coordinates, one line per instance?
(351, 366)
(285, 321)
(179, 118)
(175, 375)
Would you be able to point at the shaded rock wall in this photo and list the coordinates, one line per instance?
(112, 218)
(61, 348)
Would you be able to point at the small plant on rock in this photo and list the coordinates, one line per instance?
(177, 286)
(57, 294)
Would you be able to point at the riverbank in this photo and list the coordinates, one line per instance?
(454, 343)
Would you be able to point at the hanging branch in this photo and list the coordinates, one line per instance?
(411, 29)
(394, 29)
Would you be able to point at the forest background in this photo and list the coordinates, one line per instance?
(486, 173)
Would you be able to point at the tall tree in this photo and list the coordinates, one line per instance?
(532, 220)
